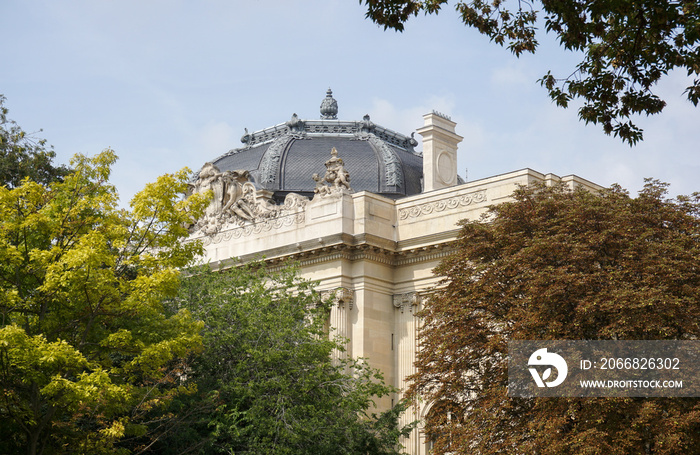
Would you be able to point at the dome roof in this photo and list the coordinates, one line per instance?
(284, 157)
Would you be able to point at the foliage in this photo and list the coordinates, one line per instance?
(556, 264)
(22, 155)
(267, 379)
(627, 47)
(85, 349)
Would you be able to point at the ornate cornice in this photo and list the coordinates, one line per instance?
(425, 256)
(427, 208)
(367, 252)
(338, 252)
(375, 254)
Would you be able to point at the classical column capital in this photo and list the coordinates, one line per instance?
(341, 297)
(407, 300)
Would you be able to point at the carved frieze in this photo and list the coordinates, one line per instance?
(443, 204)
(255, 228)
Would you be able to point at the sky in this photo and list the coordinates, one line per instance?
(172, 84)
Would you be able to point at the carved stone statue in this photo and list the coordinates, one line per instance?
(236, 200)
(209, 180)
(321, 188)
(336, 174)
(235, 194)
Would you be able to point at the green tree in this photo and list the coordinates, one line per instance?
(85, 348)
(267, 380)
(22, 155)
(551, 265)
(627, 47)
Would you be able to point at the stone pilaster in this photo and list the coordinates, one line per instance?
(342, 305)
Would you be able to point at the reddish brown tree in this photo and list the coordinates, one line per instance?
(559, 264)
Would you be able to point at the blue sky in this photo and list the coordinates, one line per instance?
(169, 84)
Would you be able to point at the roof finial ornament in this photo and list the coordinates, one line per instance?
(329, 107)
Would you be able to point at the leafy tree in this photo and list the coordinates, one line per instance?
(85, 348)
(556, 264)
(267, 380)
(22, 155)
(627, 47)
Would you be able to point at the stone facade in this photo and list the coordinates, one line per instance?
(375, 253)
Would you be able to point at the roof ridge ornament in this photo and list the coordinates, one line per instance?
(329, 107)
(246, 137)
(296, 125)
(367, 126)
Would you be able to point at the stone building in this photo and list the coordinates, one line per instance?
(362, 211)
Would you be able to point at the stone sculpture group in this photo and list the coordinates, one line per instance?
(237, 201)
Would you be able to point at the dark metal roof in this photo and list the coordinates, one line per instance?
(283, 158)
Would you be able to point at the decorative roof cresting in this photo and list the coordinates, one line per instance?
(329, 107)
